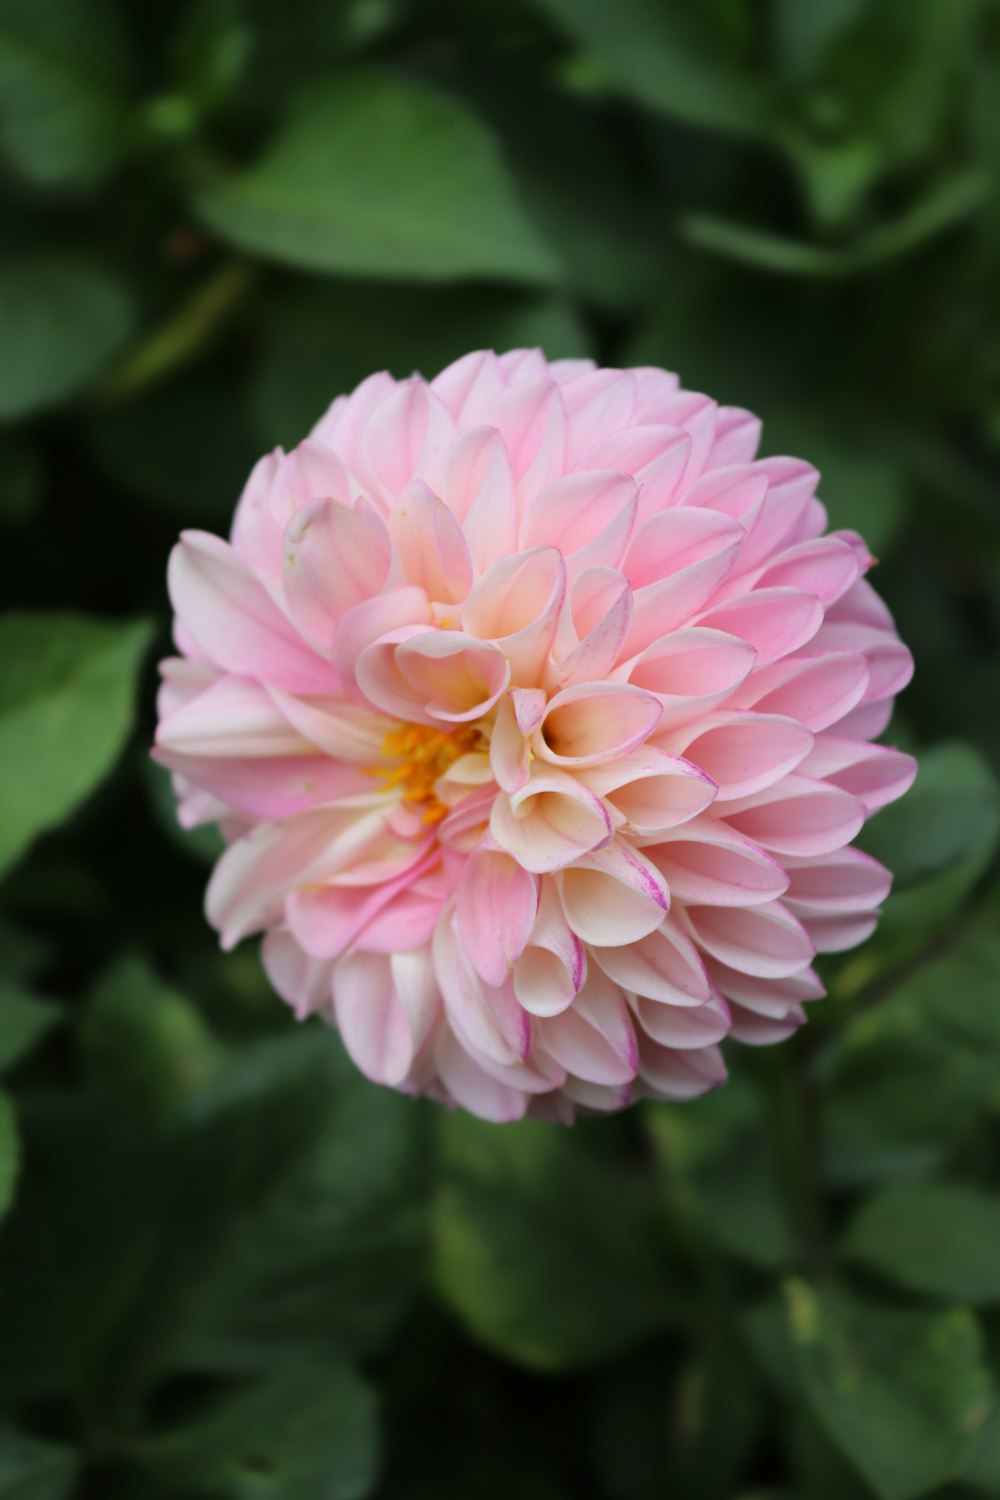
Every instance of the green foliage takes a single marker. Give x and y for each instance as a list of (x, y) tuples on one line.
[(375, 175), (66, 696), (229, 1266), (511, 1213)]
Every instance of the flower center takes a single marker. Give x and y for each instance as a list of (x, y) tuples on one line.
[(419, 756)]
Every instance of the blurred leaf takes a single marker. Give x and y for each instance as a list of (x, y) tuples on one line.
[(512, 1213), (953, 807), (61, 321), (307, 1433), (377, 175), (143, 1040), (209, 51), (904, 1394), (805, 32), (717, 1161), (21, 481), (63, 112), (31, 1469), (9, 1152), (321, 341), (673, 58), (186, 446), (936, 1237), (24, 1020), (66, 696), (944, 206), (329, 1258)]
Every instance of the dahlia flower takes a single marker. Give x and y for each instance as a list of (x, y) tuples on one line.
[(538, 715)]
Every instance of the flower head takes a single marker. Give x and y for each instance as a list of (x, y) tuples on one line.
[(538, 715)]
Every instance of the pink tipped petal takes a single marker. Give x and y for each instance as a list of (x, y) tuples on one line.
[(516, 604), (651, 790), (744, 752), (494, 913), (430, 545), (302, 981), (371, 1018), (456, 677), (684, 1027), (228, 612), (876, 774), (707, 863), (471, 1087), (550, 822), (614, 896), (595, 1040), (335, 558), (594, 723), (774, 621), (691, 671), (553, 966), (665, 966), (669, 1073), (815, 690), (798, 816), (509, 753), (763, 940), (589, 516)]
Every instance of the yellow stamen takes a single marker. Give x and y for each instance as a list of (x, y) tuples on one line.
[(417, 756)]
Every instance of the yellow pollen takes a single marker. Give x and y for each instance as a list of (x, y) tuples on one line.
[(417, 756)]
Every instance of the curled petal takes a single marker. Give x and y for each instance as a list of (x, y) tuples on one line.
[(495, 909), (743, 753), (550, 822), (594, 723), (613, 896)]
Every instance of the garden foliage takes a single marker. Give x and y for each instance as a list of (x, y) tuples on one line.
[(228, 1266)]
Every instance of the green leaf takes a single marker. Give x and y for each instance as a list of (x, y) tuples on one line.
[(9, 1152), (953, 808), (947, 204), (24, 1020), (379, 176), (308, 1433), (141, 1039), (935, 1237), (905, 1395), (32, 1469), (61, 321), (63, 114), (718, 1169), (542, 1249), (67, 683), (328, 1257), (672, 58), (385, 327)]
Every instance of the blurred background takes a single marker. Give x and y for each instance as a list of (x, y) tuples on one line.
[(229, 1266)]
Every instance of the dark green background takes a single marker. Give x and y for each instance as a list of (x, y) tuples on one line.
[(230, 1267)]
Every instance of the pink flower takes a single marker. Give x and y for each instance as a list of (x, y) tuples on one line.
[(538, 715)]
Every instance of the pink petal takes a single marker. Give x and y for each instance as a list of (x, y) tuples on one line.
[(456, 677), (815, 690), (371, 1018), (335, 558), (774, 621), (665, 966), (495, 909), (685, 1027), (594, 1039), (232, 717), (550, 822), (516, 604), (472, 1087), (742, 752), (596, 722), (304, 982), (613, 896), (692, 670), (876, 774), (233, 620), (798, 816), (552, 968), (706, 862), (589, 516), (763, 940), (670, 1074), (478, 487), (431, 545), (651, 790)]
